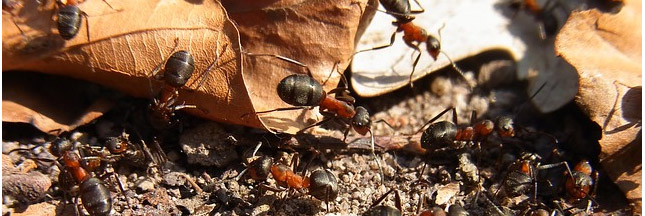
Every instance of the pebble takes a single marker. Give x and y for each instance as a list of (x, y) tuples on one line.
[(208, 145), (26, 187), (145, 186)]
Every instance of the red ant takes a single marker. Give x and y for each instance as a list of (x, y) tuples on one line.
[(581, 184), (304, 92), (178, 69), (414, 36), (77, 180), (448, 134), (121, 148), (322, 184)]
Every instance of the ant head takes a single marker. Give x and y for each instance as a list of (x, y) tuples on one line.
[(439, 135), (60, 146), (504, 126), (117, 145), (179, 68), (361, 121), (259, 169), (580, 185), (433, 45), (323, 185)]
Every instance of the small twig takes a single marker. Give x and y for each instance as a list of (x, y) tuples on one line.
[(192, 183)]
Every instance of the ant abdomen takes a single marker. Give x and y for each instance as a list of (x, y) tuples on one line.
[(179, 68), (401, 7), (96, 197), (69, 21), (439, 135), (301, 90), (323, 185)]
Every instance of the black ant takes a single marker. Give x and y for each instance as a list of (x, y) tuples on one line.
[(304, 92), (69, 18)]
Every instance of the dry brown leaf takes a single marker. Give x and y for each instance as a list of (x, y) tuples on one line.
[(131, 42), (606, 51), (50, 103), (317, 33), (125, 46)]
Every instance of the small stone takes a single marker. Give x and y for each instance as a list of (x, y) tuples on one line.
[(145, 186), (208, 145), (26, 187)]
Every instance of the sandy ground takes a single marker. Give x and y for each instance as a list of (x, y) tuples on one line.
[(205, 157)]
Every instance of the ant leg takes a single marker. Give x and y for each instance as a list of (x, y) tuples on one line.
[(325, 120), (384, 122), (332, 72), (380, 199), (184, 106), (377, 159), (210, 67), (414, 66), (292, 61), (392, 38), (431, 120), (109, 5), (278, 109)]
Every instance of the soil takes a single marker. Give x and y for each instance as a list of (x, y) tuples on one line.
[(204, 158)]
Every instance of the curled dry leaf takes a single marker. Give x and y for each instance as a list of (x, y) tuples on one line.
[(320, 34), (125, 44), (469, 28), (606, 51)]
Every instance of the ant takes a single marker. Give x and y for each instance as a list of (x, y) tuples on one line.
[(322, 184), (448, 134), (69, 18), (304, 92), (177, 70), (77, 180), (118, 148), (522, 175), (414, 36), (582, 181)]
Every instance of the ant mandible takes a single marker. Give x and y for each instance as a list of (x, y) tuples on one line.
[(304, 92)]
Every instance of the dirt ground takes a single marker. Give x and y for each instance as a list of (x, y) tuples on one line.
[(205, 157)]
